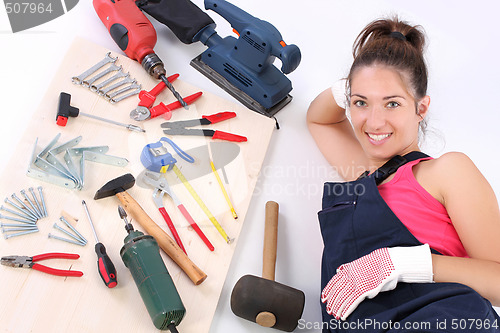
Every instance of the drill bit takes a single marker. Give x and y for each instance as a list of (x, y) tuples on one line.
[(154, 66), (123, 215), (174, 92)]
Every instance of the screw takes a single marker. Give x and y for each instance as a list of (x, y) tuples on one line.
[(32, 191), (22, 228), (14, 196), (24, 211), (66, 240), (43, 201), (74, 230), (18, 214), (17, 225), (69, 234), (23, 193), (15, 219), (20, 233)]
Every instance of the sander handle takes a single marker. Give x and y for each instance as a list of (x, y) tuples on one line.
[(165, 242), (262, 33), (270, 240)]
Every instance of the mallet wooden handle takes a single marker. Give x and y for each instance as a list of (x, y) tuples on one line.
[(270, 240), (165, 242)]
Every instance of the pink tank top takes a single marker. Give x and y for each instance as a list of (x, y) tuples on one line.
[(424, 216)]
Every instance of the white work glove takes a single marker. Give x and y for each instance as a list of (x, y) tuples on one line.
[(378, 271)]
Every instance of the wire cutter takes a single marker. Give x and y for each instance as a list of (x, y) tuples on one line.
[(30, 262), (179, 127), (145, 109), (161, 187)]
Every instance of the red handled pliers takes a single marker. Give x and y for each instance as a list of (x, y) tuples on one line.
[(145, 109), (179, 127), (30, 262)]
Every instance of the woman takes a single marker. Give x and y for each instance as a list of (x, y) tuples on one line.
[(409, 218)]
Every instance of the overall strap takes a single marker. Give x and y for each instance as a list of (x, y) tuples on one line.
[(393, 165)]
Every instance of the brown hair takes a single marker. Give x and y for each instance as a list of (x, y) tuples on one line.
[(396, 44)]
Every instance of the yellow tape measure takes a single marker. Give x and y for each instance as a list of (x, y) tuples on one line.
[(197, 198), (214, 171)]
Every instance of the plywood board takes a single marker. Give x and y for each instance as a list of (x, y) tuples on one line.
[(37, 302)]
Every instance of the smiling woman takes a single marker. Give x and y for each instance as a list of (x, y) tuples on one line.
[(384, 114), (418, 220)]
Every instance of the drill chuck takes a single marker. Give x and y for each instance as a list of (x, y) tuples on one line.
[(153, 65), (141, 254)]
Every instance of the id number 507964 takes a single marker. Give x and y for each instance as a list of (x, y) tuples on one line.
[(28, 8), (477, 324)]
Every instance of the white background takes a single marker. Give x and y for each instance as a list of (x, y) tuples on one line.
[(464, 81)]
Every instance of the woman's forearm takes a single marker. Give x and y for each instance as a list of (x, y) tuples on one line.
[(481, 275), (324, 110)]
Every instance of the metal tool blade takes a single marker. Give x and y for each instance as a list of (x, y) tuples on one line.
[(186, 123), (187, 131)]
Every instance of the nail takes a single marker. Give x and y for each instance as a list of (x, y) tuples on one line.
[(18, 214), (14, 196), (83, 239), (21, 209), (6, 236), (69, 234), (66, 240), (43, 200), (23, 193), (32, 191)]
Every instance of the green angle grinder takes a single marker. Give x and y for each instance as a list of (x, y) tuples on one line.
[(141, 254)]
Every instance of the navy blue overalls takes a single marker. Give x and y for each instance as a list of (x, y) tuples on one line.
[(355, 220)]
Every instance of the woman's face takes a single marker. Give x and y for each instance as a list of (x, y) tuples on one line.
[(384, 113)]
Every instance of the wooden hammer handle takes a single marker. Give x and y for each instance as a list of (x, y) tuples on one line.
[(165, 242), (270, 240)]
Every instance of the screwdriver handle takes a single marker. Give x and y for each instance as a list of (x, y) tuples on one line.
[(105, 266)]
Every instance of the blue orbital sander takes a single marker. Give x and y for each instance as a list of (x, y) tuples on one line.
[(241, 66)]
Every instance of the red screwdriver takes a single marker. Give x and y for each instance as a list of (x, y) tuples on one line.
[(135, 35), (104, 264)]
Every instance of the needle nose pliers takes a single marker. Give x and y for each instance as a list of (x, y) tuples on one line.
[(30, 262)]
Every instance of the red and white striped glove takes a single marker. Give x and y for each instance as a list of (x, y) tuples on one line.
[(378, 271)]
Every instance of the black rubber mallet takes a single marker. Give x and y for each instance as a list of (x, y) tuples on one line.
[(263, 300)]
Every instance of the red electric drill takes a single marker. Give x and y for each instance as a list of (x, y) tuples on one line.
[(135, 35)]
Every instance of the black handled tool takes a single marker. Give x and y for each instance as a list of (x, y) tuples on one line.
[(104, 264), (66, 110)]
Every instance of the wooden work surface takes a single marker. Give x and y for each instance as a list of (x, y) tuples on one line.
[(32, 301)]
